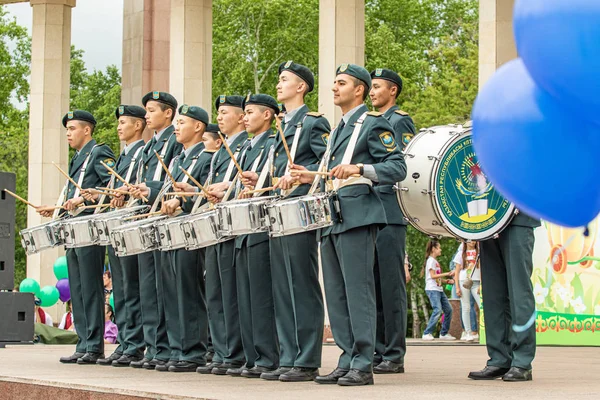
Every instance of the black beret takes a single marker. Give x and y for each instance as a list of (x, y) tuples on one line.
[(388, 75), (356, 71), (212, 128), (298, 69), (161, 97), (194, 112), (262, 100), (130, 111), (78, 115), (233, 101)]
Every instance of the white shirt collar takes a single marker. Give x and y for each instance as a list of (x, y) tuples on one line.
[(130, 145), (159, 135), (231, 138), (349, 114), (290, 114), (189, 149), (256, 138)]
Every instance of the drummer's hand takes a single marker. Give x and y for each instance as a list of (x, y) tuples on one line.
[(218, 187), (117, 202), (73, 203), (45, 211), (183, 187), (244, 194), (344, 171), (249, 178), (170, 206), (90, 194), (140, 190), (286, 182), (302, 178)]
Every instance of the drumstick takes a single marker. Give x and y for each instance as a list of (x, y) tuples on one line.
[(301, 171), (70, 179), (267, 189), (107, 189), (285, 145), (120, 178), (240, 170), (187, 194), (194, 180), (94, 206), (164, 167), (147, 215), (16, 196)]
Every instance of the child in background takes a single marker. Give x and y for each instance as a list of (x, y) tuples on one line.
[(435, 292), (469, 270), (110, 329)]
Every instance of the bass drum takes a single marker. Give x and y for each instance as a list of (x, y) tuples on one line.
[(445, 193)]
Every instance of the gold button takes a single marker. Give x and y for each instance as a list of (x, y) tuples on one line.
[(146, 167), (217, 174), (276, 154), (333, 157)]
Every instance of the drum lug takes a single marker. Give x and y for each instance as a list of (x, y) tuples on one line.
[(425, 191), (416, 220), (430, 158), (409, 155)]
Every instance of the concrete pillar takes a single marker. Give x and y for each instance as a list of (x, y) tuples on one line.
[(49, 101), (191, 52), (496, 40), (341, 40), (145, 49)]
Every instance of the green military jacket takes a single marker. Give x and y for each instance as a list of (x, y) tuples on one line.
[(312, 143), (522, 219), (95, 174), (124, 162), (404, 130), (260, 151), (360, 205), (150, 162), (221, 158)]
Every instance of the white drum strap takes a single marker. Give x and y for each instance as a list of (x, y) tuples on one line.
[(191, 168), (61, 200), (347, 159), (230, 167), (293, 151), (103, 196), (167, 185), (159, 168), (77, 211), (252, 169), (132, 164), (265, 171)]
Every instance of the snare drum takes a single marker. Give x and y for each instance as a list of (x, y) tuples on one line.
[(77, 232), (243, 216), (136, 237), (104, 223), (299, 214), (445, 192), (170, 233), (202, 230), (42, 237)]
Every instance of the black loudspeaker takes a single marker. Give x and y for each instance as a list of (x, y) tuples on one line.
[(7, 231), (16, 317)]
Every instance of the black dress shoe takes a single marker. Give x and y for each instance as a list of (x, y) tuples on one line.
[(222, 368), (89, 358), (108, 360), (274, 375), (237, 371), (139, 363), (256, 371), (488, 373), (165, 367), (72, 359), (125, 360), (389, 367), (356, 378), (184, 366), (516, 374), (333, 377), (299, 374), (207, 369)]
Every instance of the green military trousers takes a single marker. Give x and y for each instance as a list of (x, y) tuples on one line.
[(506, 268), (126, 294), (298, 299), (167, 284), (348, 260), (86, 267), (390, 289), (255, 304)]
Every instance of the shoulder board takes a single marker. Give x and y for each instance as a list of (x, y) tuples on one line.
[(273, 135), (400, 112), (314, 114), (374, 113), (101, 144)]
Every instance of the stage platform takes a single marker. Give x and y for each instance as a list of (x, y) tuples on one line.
[(432, 372)]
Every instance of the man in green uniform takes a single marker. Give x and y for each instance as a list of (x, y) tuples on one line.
[(160, 112), (184, 291), (507, 265), (252, 264), (390, 247), (297, 295), (85, 264), (131, 123), (362, 151), (221, 291)]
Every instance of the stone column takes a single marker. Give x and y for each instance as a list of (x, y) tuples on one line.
[(145, 49), (191, 52), (341, 40), (49, 101), (496, 39)]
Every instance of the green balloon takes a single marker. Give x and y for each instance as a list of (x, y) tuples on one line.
[(30, 285), (111, 301), (60, 268), (48, 296)]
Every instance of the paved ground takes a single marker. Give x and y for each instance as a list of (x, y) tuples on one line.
[(433, 372)]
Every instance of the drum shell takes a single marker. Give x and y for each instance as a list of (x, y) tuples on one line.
[(42, 237), (202, 230), (244, 216), (105, 223), (78, 232), (299, 214), (170, 233), (136, 237)]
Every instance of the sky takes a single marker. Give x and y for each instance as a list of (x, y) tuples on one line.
[(96, 27)]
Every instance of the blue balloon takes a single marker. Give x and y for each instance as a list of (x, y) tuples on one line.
[(526, 144), (559, 42)]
